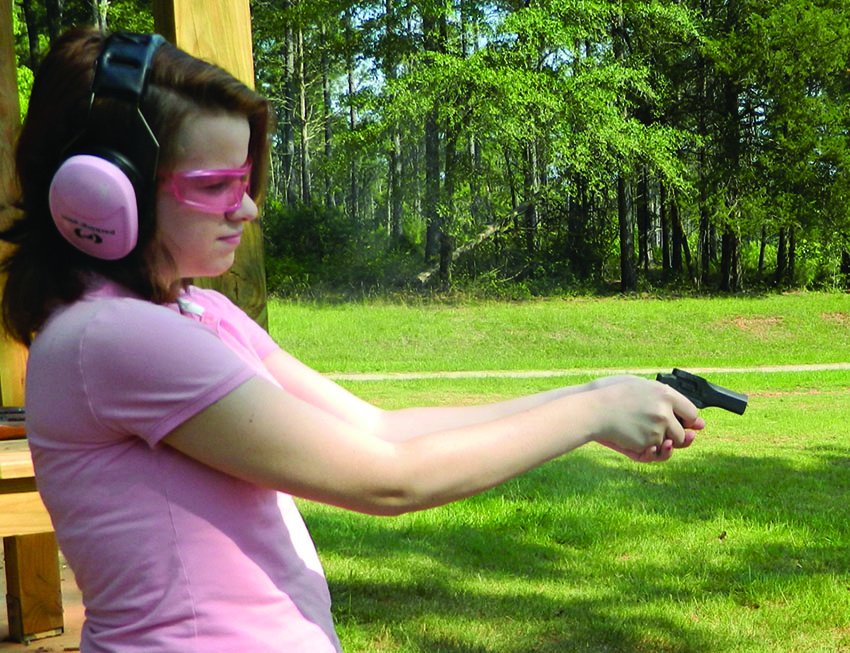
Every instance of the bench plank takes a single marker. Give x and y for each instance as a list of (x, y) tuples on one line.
[(15, 459), (22, 513)]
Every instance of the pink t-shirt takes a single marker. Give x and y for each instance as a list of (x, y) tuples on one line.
[(170, 555)]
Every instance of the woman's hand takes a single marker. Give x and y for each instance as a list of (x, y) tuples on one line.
[(656, 454), (643, 419)]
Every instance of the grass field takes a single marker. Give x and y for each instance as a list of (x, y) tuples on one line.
[(739, 544), (567, 334)]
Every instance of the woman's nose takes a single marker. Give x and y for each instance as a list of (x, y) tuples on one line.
[(246, 212)]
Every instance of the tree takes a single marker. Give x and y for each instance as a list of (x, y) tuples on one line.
[(673, 131)]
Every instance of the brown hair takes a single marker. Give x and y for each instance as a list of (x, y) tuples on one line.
[(43, 270)]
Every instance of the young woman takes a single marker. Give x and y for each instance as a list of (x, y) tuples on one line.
[(168, 430)]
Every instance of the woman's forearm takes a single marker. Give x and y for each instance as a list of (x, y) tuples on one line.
[(445, 465), (406, 423)]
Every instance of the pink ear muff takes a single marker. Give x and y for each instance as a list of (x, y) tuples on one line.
[(94, 207)]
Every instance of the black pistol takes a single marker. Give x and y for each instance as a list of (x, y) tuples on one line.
[(702, 393)]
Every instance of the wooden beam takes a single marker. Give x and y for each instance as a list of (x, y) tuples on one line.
[(10, 109), (219, 31), (33, 587), (12, 356), (22, 512), (13, 366)]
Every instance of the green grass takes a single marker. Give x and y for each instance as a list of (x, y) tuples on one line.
[(566, 334), (740, 544)]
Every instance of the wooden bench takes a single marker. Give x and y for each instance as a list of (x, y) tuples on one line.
[(33, 584)]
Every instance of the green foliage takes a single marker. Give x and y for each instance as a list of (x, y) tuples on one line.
[(132, 15), (23, 74), (312, 247), (311, 239), (25, 79), (732, 115)]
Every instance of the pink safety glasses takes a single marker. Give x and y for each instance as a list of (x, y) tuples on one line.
[(212, 191)]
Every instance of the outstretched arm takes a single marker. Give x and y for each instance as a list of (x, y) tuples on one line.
[(272, 437), (395, 425)]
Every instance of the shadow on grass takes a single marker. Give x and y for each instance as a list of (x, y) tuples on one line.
[(480, 574), (487, 622)]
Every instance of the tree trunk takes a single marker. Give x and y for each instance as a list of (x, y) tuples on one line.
[(304, 135), (432, 187), (703, 108), (781, 258), (327, 112), (100, 8), (396, 173), (792, 256), (287, 122), (628, 270), (469, 44), (643, 220), (54, 10), (664, 222), (680, 242), (353, 190), (446, 215), (394, 168), (530, 217), (431, 38), (730, 268), (625, 219), (32, 33), (676, 237), (509, 170), (704, 250)]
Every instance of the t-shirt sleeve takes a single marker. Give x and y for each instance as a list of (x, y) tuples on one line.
[(148, 369), (248, 330)]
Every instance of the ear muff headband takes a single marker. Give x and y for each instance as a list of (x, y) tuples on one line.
[(95, 194)]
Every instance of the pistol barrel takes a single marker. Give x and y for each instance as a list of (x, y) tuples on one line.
[(704, 394)]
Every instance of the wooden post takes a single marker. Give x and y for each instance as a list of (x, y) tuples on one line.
[(33, 587), (33, 591), (12, 355), (219, 31)]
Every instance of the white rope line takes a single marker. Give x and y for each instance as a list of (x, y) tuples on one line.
[(543, 374)]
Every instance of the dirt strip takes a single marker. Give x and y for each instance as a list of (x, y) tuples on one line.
[(532, 374)]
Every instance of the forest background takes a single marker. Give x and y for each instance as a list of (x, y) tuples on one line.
[(523, 147)]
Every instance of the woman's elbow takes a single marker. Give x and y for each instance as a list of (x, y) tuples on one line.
[(394, 496), (391, 502)]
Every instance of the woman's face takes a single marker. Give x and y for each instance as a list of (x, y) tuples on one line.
[(202, 242)]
